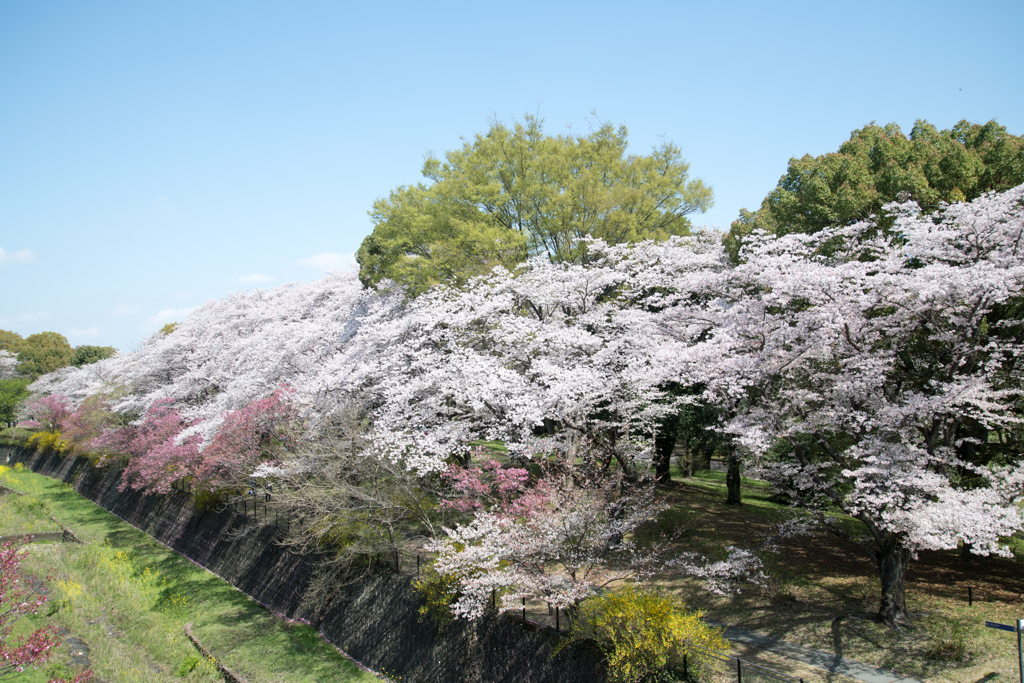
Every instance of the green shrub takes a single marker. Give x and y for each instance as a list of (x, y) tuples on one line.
[(206, 501), (187, 665), (439, 592), (645, 635), (15, 436)]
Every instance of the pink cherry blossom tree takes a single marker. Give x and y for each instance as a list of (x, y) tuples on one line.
[(49, 411), (246, 439), (158, 454)]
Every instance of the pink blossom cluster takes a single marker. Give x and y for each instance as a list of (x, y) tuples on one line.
[(160, 450), (17, 600), (49, 412), (157, 456), (492, 487)]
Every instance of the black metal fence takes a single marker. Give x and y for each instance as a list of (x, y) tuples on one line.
[(256, 505), (734, 669)]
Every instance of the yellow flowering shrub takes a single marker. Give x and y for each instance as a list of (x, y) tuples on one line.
[(645, 634), (49, 441), (439, 592)]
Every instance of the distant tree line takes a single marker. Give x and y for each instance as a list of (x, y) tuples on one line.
[(22, 360)]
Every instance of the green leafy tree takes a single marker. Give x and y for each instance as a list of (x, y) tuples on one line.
[(515, 192), (10, 341), (12, 392), (879, 164), (44, 352), (84, 355)]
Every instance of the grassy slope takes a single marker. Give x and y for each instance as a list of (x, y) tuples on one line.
[(128, 597)]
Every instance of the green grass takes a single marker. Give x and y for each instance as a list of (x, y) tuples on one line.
[(128, 598), (492, 448), (823, 592), (24, 514)]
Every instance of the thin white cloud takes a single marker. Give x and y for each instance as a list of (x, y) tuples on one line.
[(163, 204), (329, 260), (87, 332), (22, 256), (24, 318), (124, 310), (255, 279), (170, 315)]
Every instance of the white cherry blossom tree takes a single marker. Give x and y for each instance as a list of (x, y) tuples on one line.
[(856, 359), (541, 359)]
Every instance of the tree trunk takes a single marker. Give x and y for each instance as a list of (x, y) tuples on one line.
[(700, 459), (628, 471), (663, 447), (892, 569), (685, 462), (732, 481)]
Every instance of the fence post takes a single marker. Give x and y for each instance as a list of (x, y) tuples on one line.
[(686, 671), (739, 671), (970, 596), (559, 628), (524, 608)]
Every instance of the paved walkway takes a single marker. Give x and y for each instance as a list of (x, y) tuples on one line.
[(824, 660)]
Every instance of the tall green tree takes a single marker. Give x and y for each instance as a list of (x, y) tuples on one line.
[(85, 354), (879, 164), (12, 392), (44, 352), (514, 192), (10, 341)]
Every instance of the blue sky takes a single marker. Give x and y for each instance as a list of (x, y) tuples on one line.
[(154, 155)]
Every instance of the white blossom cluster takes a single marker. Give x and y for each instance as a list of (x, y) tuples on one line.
[(8, 364)]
